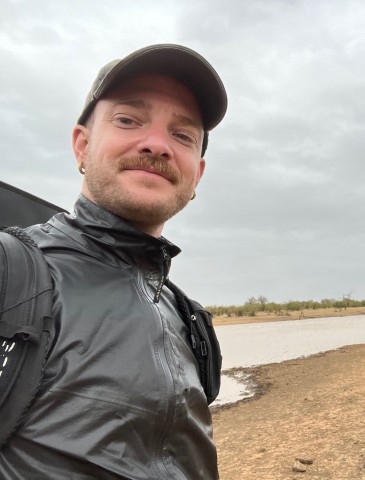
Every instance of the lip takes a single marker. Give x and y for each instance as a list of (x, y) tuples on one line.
[(151, 170)]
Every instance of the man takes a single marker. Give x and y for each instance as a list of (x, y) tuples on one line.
[(122, 394)]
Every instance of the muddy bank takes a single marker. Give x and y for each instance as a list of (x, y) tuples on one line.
[(312, 408)]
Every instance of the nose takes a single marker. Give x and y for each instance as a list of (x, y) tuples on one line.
[(155, 143)]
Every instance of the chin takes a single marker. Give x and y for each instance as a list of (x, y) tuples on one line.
[(150, 210)]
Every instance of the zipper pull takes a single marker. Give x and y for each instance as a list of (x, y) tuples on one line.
[(203, 349), (157, 296), (165, 267)]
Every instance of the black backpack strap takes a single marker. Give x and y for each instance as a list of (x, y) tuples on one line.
[(25, 324), (204, 342)]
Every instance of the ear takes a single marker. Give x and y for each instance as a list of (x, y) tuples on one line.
[(201, 170), (80, 143)]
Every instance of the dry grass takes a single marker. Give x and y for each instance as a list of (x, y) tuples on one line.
[(295, 315)]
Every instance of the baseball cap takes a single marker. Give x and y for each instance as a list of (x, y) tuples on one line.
[(182, 63)]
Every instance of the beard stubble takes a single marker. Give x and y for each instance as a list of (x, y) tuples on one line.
[(121, 201)]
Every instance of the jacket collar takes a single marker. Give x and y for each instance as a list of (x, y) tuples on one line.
[(103, 233)]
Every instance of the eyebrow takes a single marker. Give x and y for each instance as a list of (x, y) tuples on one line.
[(187, 121), (140, 104)]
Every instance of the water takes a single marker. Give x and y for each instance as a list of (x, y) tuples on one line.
[(263, 343)]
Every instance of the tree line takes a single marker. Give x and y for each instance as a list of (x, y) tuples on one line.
[(255, 305)]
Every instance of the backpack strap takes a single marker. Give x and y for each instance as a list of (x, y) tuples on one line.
[(25, 325), (204, 342)]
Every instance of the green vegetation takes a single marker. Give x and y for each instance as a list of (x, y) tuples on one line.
[(261, 304)]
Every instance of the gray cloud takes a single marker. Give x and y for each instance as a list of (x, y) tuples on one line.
[(279, 210)]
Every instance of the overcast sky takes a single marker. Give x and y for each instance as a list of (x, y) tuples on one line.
[(281, 209)]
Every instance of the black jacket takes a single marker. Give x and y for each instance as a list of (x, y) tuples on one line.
[(121, 396)]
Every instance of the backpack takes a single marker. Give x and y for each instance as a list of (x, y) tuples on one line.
[(26, 324), (25, 305), (204, 342)]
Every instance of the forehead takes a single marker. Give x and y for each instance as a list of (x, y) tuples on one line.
[(156, 86)]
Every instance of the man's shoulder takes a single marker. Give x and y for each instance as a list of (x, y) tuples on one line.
[(51, 234)]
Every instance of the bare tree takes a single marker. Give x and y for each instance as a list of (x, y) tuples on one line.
[(263, 301), (346, 298)]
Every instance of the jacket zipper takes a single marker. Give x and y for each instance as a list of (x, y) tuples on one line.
[(168, 405)]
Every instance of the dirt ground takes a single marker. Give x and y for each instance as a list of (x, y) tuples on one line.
[(312, 409)]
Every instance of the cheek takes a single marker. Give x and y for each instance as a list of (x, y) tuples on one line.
[(101, 151), (190, 166), (192, 176), (198, 170), (113, 147)]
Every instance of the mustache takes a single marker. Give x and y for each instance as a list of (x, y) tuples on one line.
[(150, 162)]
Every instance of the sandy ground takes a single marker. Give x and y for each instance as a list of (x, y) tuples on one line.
[(312, 409)]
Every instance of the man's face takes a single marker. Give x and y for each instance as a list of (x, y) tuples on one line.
[(141, 151)]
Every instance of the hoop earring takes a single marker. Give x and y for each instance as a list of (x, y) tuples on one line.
[(81, 168), (193, 196)]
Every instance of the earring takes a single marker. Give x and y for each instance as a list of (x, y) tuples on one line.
[(193, 196), (81, 168)]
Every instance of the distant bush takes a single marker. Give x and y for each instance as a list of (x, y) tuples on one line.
[(261, 304)]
